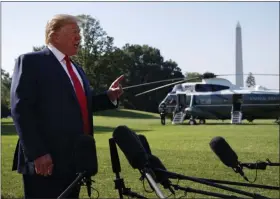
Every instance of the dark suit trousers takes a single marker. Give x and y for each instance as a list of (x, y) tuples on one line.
[(36, 186)]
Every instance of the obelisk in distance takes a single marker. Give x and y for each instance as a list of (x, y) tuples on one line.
[(238, 58)]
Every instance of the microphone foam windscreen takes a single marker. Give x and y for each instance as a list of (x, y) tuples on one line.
[(145, 143), (115, 161), (155, 163), (85, 155), (129, 143), (222, 149)]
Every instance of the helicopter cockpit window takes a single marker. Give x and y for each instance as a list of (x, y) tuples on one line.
[(209, 87), (171, 100), (189, 88)]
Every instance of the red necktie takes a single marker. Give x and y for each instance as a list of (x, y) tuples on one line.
[(80, 94)]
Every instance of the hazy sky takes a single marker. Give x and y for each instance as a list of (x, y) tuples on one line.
[(199, 36)]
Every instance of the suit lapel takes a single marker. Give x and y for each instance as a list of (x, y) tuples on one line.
[(58, 69)]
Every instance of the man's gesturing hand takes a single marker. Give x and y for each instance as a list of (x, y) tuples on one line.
[(115, 90), (44, 165)]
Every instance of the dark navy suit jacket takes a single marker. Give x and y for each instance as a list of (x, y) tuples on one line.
[(46, 112)]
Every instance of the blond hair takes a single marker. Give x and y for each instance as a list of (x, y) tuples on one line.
[(56, 23)]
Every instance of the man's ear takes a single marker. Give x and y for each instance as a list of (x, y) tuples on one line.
[(55, 37)]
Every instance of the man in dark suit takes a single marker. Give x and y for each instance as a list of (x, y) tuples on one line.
[(51, 104)]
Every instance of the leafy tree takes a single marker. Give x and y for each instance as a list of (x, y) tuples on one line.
[(145, 64), (208, 75), (193, 76), (38, 48), (196, 77), (94, 48), (251, 82), (5, 93)]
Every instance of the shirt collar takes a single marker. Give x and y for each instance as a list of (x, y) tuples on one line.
[(59, 55)]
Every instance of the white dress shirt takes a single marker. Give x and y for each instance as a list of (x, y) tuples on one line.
[(60, 57)]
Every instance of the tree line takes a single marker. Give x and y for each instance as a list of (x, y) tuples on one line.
[(103, 62)]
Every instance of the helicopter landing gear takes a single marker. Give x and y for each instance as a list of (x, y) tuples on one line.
[(202, 121), (277, 121), (250, 119), (192, 121), (162, 118)]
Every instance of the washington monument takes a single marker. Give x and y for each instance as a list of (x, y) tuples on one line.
[(238, 58)]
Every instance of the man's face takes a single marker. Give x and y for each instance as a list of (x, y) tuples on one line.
[(67, 39)]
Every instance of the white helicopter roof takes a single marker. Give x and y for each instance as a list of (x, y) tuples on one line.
[(231, 91), (190, 87), (218, 81)]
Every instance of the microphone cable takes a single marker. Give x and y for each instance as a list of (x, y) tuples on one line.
[(94, 190), (147, 191), (144, 187), (256, 175), (240, 167), (185, 195)]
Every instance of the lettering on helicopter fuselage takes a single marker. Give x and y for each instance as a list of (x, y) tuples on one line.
[(264, 98)]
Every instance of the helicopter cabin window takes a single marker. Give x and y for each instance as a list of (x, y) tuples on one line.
[(202, 99), (190, 88), (171, 100), (209, 87), (220, 99)]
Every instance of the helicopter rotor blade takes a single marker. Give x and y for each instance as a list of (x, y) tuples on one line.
[(185, 80), (160, 87), (260, 74), (149, 83), (165, 86), (167, 80)]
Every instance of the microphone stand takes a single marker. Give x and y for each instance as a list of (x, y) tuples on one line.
[(79, 178), (179, 176), (147, 173), (259, 165), (188, 189), (119, 182), (128, 192), (242, 184)]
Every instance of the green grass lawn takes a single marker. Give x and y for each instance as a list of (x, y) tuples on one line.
[(182, 148)]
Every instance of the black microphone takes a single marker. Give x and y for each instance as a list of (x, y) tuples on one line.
[(85, 159), (161, 177), (145, 143), (222, 149), (116, 167), (131, 146), (155, 163), (225, 153), (129, 143), (115, 161)]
